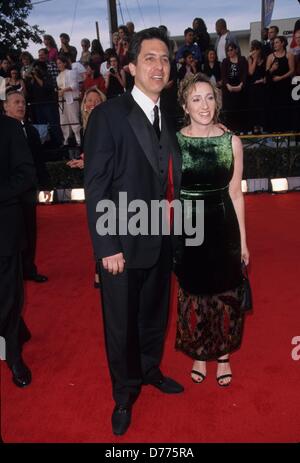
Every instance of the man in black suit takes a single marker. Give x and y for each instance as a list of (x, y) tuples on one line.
[(15, 106), (131, 148), (17, 175)]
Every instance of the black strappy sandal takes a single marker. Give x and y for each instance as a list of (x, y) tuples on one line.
[(228, 375), (198, 373)]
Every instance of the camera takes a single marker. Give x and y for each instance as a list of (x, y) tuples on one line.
[(112, 70)]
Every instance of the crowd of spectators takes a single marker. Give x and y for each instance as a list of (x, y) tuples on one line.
[(256, 91)]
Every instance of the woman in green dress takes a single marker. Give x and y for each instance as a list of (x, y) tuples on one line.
[(210, 320)]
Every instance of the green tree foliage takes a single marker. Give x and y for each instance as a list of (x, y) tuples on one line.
[(15, 32)]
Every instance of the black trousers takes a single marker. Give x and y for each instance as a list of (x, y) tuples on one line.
[(135, 307), (11, 303), (28, 255)]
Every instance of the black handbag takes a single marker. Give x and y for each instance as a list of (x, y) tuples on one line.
[(246, 303)]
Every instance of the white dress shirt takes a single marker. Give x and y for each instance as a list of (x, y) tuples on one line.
[(146, 104)]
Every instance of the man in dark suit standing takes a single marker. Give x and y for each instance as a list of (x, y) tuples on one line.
[(130, 148), (17, 175), (15, 106)]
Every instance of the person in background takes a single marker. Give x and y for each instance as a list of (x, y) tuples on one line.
[(97, 53), (279, 71), (93, 78), (68, 94), (4, 68), (115, 41), (14, 82), (224, 38), (189, 65), (211, 67), (190, 46), (115, 81), (17, 176), (272, 34), (234, 72), (210, 316), (27, 65), (85, 54), (51, 46), (130, 30), (256, 87), (15, 107), (202, 37), (66, 48)]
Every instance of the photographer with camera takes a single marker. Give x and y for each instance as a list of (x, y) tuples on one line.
[(115, 81)]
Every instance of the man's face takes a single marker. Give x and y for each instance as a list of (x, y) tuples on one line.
[(42, 56), (272, 33), (15, 106), (189, 38), (152, 68), (64, 40)]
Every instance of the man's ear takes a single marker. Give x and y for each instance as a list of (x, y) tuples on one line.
[(132, 69)]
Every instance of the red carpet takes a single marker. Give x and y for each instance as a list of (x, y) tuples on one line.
[(70, 396)]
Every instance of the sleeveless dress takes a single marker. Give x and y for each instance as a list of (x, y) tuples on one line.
[(210, 322)]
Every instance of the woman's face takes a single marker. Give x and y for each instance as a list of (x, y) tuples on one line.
[(231, 52), (211, 56), (297, 38), (89, 71), (201, 104), (113, 62), (189, 60), (278, 45), (60, 65), (46, 42), (92, 100), (115, 38), (5, 64), (14, 74)]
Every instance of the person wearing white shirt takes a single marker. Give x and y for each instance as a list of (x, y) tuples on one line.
[(68, 93)]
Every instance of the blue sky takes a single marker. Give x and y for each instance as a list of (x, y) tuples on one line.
[(77, 17)]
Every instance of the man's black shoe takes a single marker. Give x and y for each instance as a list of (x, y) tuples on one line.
[(121, 419), (37, 278), (21, 374), (168, 385)]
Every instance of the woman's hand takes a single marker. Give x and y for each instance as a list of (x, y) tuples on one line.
[(245, 256)]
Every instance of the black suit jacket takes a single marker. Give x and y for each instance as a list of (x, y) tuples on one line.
[(17, 175), (120, 157)]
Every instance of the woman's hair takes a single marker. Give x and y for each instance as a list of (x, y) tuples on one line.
[(97, 47), (85, 114), (15, 69), (187, 85), (201, 25), (283, 40), (95, 68), (231, 45), (51, 41)]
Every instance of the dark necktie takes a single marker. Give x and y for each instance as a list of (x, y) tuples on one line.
[(156, 121)]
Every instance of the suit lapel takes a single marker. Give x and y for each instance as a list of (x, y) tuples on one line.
[(141, 127)]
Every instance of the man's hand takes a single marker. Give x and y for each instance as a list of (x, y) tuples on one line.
[(114, 264)]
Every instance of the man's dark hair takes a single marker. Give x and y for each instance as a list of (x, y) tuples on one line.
[(188, 30), (221, 22), (276, 28), (146, 34), (63, 35), (45, 50)]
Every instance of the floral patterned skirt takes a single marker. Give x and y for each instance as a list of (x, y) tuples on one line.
[(209, 326)]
